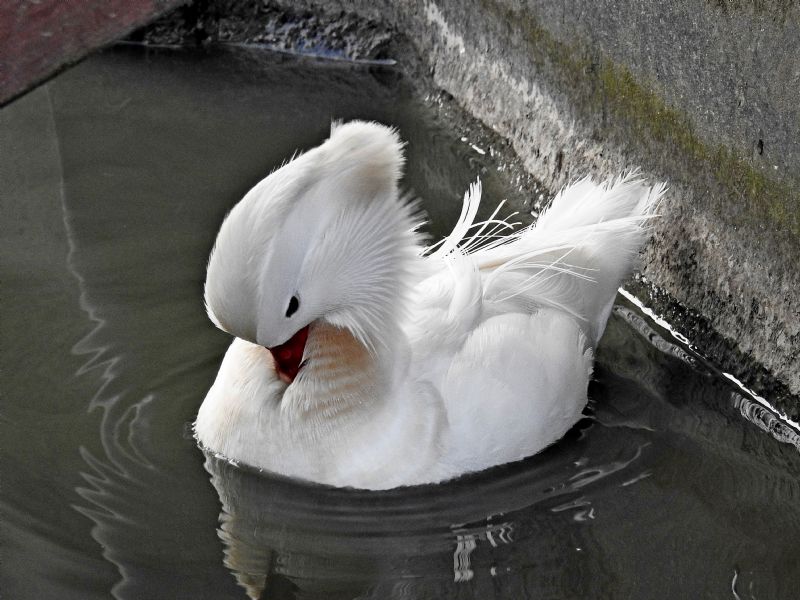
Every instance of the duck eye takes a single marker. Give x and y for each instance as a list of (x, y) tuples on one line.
[(294, 304)]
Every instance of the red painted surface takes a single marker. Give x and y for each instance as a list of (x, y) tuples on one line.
[(37, 37)]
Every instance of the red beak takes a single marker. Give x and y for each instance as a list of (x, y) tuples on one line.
[(289, 355)]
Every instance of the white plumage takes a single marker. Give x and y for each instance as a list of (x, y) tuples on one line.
[(364, 359)]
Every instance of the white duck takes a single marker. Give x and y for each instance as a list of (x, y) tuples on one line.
[(364, 359)]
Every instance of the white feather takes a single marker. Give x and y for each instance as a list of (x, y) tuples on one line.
[(421, 363)]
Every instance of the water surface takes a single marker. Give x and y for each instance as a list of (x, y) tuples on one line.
[(116, 176)]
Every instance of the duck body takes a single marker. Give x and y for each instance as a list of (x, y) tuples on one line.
[(363, 358)]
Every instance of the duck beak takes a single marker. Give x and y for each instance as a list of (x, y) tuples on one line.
[(288, 356)]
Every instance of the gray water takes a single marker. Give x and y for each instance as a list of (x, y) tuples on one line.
[(115, 177)]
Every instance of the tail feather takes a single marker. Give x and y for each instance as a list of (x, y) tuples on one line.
[(574, 258)]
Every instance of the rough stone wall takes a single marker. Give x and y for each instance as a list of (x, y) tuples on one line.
[(702, 94)]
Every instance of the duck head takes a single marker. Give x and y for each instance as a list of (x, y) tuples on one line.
[(326, 238)]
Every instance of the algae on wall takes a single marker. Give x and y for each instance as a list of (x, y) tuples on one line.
[(599, 86)]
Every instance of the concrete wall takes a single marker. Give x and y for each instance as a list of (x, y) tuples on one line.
[(703, 94)]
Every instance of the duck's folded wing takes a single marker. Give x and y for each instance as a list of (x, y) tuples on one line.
[(446, 306), (516, 386)]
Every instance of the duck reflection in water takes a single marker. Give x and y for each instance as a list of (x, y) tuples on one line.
[(285, 538)]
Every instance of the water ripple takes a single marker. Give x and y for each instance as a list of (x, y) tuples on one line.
[(766, 420)]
